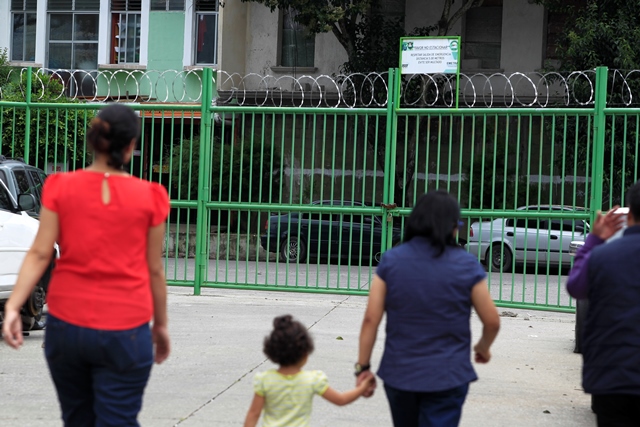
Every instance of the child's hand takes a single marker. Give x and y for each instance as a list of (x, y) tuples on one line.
[(367, 382)]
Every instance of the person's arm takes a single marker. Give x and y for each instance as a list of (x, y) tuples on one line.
[(255, 410), (369, 330), (486, 309), (578, 281), (345, 397), (160, 332), (35, 263), (372, 318), (603, 228)]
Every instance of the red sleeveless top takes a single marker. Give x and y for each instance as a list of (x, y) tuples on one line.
[(101, 280)]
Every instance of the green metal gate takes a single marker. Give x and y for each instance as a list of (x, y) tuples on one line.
[(307, 199)]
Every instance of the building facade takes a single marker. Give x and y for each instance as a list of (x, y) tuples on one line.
[(240, 37), (500, 36), (94, 34)]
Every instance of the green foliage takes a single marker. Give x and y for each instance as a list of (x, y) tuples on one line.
[(363, 28), (55, 134), (491, 177), (238, 171), (377, 43), (603, 33), (5, 68), (321, 16)]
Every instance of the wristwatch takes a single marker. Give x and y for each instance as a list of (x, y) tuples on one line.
[(361, 368)]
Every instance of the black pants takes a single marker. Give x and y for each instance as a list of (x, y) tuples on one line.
[(100, 376), (617, 410), (427, 409)]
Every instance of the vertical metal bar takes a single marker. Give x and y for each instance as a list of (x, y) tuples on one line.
[(405, 160), (450, 154), (624, 160), (597, 167), (204, 192), (27, 127), (390, 154), (439, 149), (460, 153), (635, 156), (472, 163), (416, 160), (611, 163)]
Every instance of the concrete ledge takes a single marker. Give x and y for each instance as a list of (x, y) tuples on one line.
[(232, 246)]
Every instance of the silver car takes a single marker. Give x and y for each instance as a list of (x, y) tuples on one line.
[(504, 242)]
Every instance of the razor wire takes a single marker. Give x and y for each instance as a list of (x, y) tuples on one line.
[(359, 90)]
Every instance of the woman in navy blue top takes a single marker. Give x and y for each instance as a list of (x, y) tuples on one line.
[(427, 287)]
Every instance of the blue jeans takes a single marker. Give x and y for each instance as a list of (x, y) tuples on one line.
[(426, 409), (99, 375)]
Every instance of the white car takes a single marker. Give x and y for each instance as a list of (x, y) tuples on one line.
[(17, 232), (504, 242)]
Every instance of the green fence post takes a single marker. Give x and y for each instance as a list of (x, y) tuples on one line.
[(27, 124), (389, 154), (600, 103), (204, 175)]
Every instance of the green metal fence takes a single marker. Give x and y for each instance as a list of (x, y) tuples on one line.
[(307, 199)]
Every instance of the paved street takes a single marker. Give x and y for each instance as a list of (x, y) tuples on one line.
[(523, 285), (533, 379)]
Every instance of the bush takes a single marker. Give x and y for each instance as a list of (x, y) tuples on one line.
[(55, 135), (495, 184), (237, 171), (5, 69)]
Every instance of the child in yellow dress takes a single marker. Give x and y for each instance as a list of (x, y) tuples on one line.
[(285, 394)]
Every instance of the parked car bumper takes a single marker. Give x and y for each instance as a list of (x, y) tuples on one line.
[(574, 246), (269, 243), (477, 249)]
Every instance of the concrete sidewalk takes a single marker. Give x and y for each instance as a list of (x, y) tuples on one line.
[(532, 380)]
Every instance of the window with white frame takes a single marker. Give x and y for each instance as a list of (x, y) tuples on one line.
[(73, 34), (23, 30), (167, 5), (482, 40), (297, 44), (125, 30), (206, 46)]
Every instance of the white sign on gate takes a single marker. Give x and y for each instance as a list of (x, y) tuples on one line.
[(429, 55)]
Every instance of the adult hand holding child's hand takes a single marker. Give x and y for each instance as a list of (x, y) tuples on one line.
[(370, 379)]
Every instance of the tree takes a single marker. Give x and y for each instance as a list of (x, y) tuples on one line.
[(604, 33), (369, 31), (55, 135), (239, 171), (5, 69), (351, 20)]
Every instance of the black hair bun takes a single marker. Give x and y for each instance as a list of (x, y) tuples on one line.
[(282, 322), (99, 134)]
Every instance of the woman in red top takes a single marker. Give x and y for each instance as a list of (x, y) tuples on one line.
[(108, 283)]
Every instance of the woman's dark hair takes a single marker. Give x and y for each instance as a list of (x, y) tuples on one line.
[(434, 217), (112, 131), (288, 343)]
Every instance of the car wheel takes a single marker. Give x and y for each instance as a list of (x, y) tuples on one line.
[(293, 250), (32, 310), (378, 255), (499, 257)]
